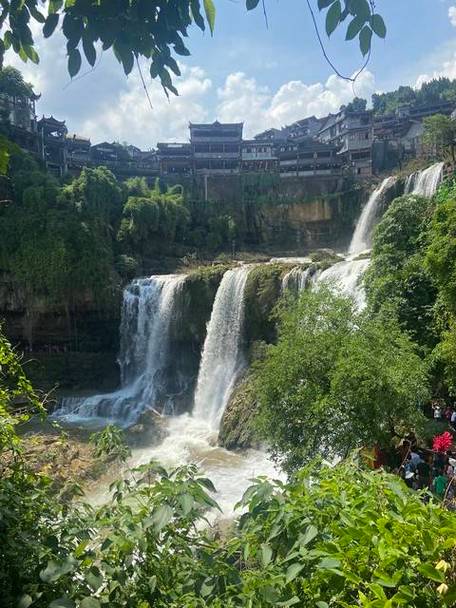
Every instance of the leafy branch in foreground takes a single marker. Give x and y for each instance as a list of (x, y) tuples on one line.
[(151, 29)]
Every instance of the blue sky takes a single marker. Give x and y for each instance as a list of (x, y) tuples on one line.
[(247, 72)]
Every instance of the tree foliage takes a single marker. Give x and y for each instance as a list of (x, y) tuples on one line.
[(440, 135), (397, 274), (336, 380), (153, 30), (433, 92)]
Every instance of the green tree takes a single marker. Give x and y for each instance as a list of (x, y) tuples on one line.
[(397, 274), (440, 135), (357, 105), (441, 253), (336, 380)]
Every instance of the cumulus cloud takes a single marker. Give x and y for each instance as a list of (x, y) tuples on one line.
[(129, 117), (447, 70), (103, 104), (243, 99), (452, 15)]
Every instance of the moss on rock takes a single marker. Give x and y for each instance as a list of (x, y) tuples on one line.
[(262, 292), (237, 429)]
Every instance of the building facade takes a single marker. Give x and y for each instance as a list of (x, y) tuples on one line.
[(308, 157), (216, 148), (353, 134)]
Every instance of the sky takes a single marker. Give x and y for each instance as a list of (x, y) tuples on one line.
[(263, 76)]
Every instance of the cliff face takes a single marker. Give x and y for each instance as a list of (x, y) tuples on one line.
[(283, 213)]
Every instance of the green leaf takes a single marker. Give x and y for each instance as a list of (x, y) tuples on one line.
[(62, 602), (333, 17), (74, 62), (361, 9), (293, 571), (186, 501), (291, 602), (196, 14), (162, 516), (429, 571), (321, 604), (308, 536), (251, 4), (324, 3), (378, 25), (328, 563), (54, 570), (365, 38), (31, 53), (89, 50), (354, 28), (266, 554), (209, 8), (89, 602), (50, 25)]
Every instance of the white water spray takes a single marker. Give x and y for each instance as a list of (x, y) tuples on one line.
[(425, 183), (361, 240), (149, 306), (222, 358)]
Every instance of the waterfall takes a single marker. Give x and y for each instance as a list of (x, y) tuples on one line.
[(222, 359), (149, 305), (361, 239), (297, 279), (346, 277), (425, 183)]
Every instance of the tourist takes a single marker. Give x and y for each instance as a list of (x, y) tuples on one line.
[(439, 485), (423, 473), (437, 410)]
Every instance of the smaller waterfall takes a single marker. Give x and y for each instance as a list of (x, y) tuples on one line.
[(346, 277), (297, 279), (149, 305), (425, 183), (361, 239), (222, 358)]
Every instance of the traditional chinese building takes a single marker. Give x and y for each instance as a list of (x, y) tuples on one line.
[(259, 156), (52, 134), (175, 158), (216, 147), (308, 157), (352, 133)]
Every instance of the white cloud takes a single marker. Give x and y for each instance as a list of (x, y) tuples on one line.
[(243, 99), (452, 15), (129, 117), (447, 70)]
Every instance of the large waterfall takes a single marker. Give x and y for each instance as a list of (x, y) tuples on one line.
[(425, 183), (222, 359), (149, 305), (361, 239)]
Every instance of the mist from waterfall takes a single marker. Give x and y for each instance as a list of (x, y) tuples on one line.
[(426, 182), (222, 358), (149, 305), (361, 240)]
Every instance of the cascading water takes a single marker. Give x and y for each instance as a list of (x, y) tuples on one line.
[(425, 183), (297, 279), (346, 277), (193, 437), (361, 240), (149, 305), (222, 358)]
